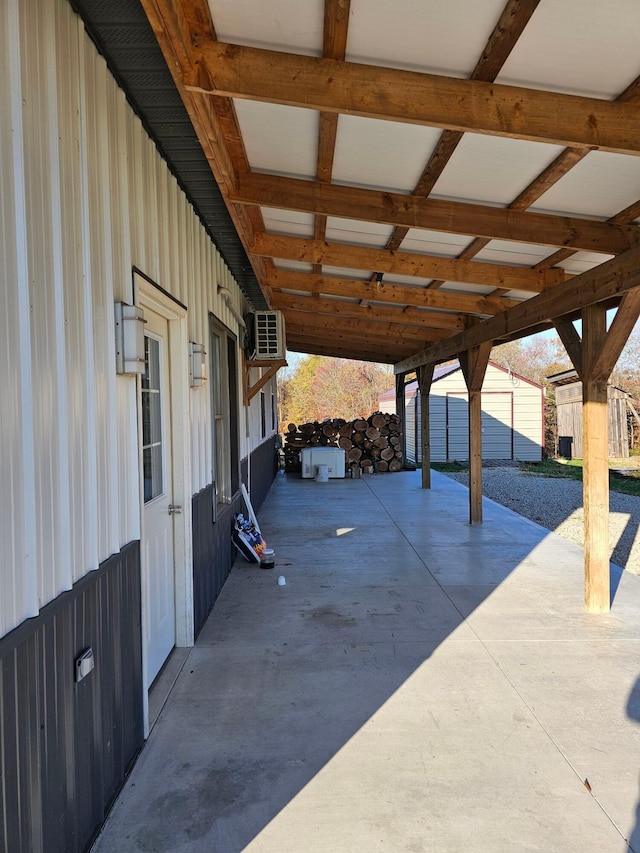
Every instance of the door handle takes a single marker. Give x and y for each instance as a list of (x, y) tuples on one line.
[(175, 509)]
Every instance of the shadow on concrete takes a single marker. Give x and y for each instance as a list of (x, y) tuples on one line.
[(633, 713), (368, 686)]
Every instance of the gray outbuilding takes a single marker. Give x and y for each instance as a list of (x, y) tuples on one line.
[(512, 416)]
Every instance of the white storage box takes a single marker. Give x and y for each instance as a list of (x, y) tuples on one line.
[(311, 457)]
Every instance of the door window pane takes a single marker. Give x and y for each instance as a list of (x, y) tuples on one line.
[(152, 452)]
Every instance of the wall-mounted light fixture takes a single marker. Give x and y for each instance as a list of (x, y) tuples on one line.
[(197, 365), (129, 338)]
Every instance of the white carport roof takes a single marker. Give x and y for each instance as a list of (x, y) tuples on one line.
[(399, 171)]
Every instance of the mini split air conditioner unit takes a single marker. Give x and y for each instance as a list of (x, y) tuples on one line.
[(269, 335)]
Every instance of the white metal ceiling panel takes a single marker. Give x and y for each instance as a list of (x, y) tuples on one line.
[(514, 254), (292, 222), (286, 25), (355, 231), (381, 154), (583, 261), (601, 185), (345, 272), (422, 35), (435, 243), (463, 287), (521, 295), (493, 170), (279, 139), (296, 266), (583, 47), (393, 278), (330, 297)]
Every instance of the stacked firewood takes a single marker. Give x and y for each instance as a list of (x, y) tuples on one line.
[(371, 444)]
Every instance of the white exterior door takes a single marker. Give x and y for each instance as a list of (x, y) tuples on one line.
[(157, 477)]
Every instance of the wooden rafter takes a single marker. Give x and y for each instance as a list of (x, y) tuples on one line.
[(435, 214), (404, 263), (327, 85), (178, 26), (336, 24), (562, 165), (514, 18)]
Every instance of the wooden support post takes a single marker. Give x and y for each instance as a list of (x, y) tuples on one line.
[(594, 357), (400, 406), (474, 366), (595, 467), (425, 377)]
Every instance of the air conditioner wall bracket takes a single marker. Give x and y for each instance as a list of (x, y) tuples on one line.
[(272, 366)]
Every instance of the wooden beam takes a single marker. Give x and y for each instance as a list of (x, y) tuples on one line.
[(356, 338), (572, 343), (604, 282), (425, 378), (341, 308), (595, 467), (338, 350), (438, 215), (395, 294), (330, 326), (404, 263), (327, 85), (621, 327)]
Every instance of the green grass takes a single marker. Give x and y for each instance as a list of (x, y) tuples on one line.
[(448, 467), (572, 469), (568, 469)]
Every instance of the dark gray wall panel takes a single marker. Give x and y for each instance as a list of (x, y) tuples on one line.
[(64, 747), (264, 467), (213, 553)]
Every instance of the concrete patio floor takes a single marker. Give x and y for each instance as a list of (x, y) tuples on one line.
[(418, 685)]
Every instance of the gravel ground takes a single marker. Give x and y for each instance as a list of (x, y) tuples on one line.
[(557, 505)]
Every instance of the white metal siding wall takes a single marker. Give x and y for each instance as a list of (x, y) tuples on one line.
[(84, 197), (412, 446), (255, 438), (19, 598)]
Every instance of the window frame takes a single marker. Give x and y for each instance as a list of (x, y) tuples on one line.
[(225, 445)]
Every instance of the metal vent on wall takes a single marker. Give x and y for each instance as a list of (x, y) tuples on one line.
[(269, 335)]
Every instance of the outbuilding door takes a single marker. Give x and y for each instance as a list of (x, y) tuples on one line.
[(497, 425)]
